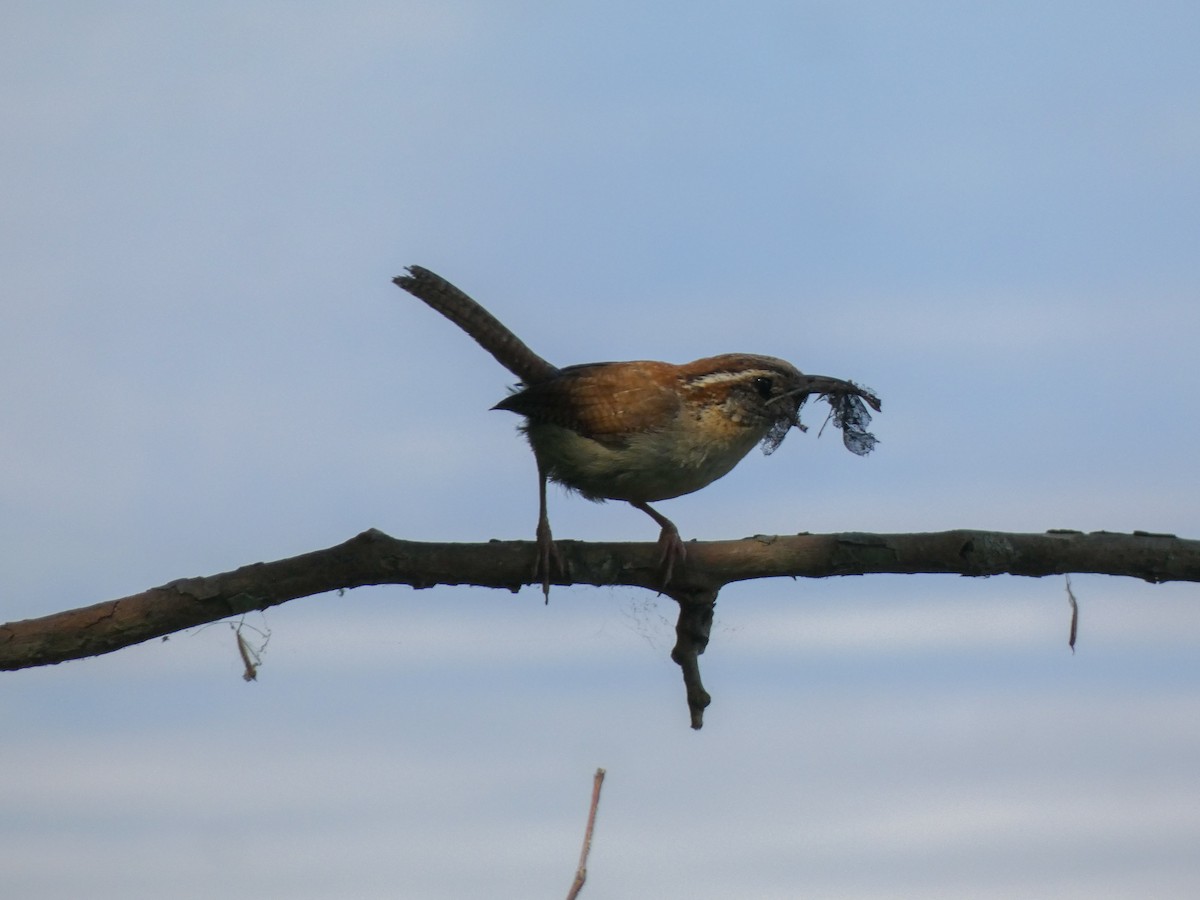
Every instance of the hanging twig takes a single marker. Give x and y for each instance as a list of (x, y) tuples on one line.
[(1074, 615), (692, 632)]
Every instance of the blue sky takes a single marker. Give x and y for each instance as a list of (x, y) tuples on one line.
[(987, 214)]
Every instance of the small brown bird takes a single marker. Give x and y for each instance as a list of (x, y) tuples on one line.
[(644, 431)]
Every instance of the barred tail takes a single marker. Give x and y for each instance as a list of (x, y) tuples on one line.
[(508, 349)]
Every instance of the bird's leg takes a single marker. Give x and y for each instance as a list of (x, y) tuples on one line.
[(546, 548), (670, 544)]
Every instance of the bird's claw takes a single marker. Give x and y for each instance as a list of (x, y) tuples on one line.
[(671, 550), (547, 556)]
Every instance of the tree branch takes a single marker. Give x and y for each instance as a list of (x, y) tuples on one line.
[(375, 558)]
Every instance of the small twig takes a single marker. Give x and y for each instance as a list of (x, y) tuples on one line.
[(251, 664), (251, 658), (581, 872), (1074, 615)]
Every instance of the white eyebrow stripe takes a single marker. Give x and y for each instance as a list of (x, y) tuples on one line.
[(731, 375)]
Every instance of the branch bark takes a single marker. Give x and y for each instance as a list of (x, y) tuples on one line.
[(375, 558)]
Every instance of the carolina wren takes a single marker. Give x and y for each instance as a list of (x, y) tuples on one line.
[(642, 431)]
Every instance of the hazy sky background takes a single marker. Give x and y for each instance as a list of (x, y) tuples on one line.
[(990, 214)]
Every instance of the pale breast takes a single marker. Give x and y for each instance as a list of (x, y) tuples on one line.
[(647, 466)]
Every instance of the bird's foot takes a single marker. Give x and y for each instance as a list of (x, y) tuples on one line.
[(547, 556), (671, 551)]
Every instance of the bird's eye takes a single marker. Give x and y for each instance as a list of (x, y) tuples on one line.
[(763, 385)]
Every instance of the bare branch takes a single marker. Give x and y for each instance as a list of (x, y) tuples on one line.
[(375, 558)]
